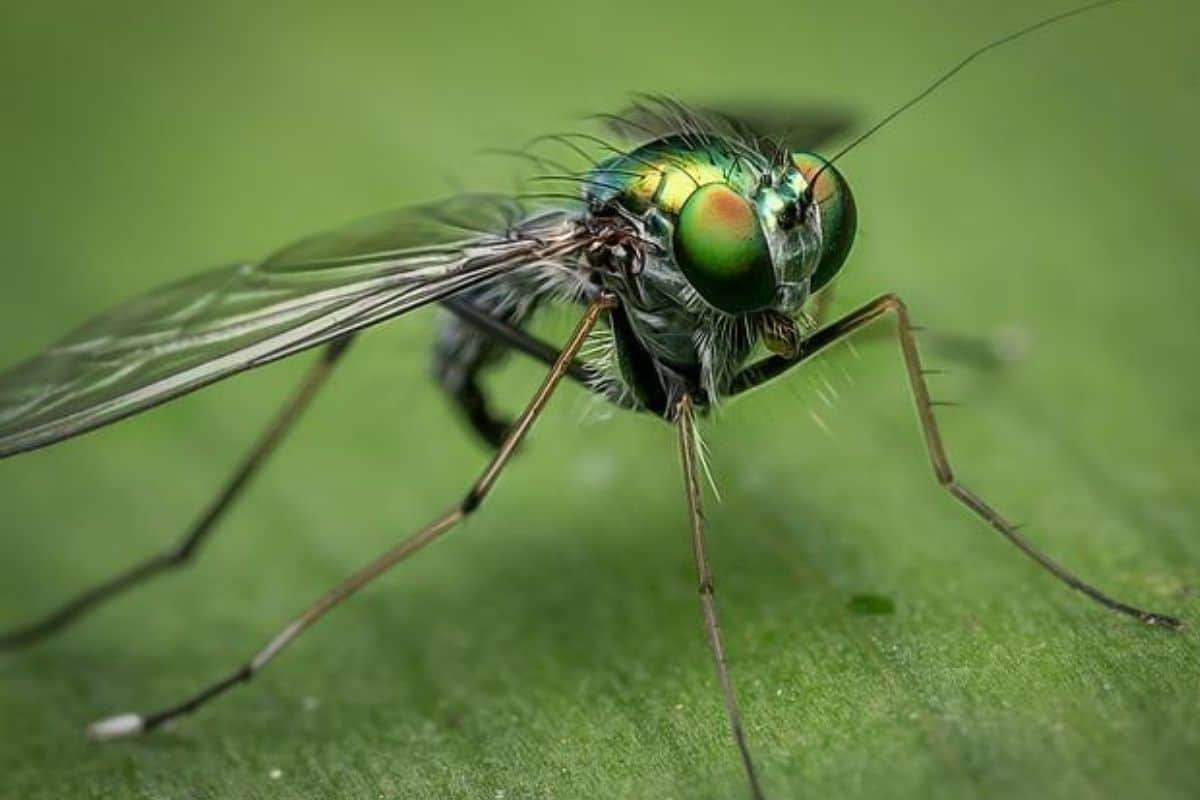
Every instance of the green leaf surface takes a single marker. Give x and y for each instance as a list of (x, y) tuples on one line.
[(1039, 215)]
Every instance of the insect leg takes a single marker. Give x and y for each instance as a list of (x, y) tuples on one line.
[(512, 336), (477, 336), (764, 370), (989, 352), (688, 456), (128, 724), (188, 546)]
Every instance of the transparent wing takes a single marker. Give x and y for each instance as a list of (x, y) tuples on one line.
[(184, 336), (654, 116)]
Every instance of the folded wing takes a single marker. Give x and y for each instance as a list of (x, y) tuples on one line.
[(207, 327)]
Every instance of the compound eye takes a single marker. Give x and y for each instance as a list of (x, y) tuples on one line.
[(722, 251), (839, 217)]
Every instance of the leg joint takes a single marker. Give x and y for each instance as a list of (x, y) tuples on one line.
[(894, 302), (472, 501), (944, 476), (181, 554)]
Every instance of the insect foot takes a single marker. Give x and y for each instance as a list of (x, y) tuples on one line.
[(119, 726), (1161, 620)]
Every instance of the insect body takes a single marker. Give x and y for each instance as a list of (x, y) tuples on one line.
[(691, 250), (740, 242), (713, 244)]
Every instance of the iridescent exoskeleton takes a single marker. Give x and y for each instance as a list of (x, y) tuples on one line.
[(712, 239), (698, 254)]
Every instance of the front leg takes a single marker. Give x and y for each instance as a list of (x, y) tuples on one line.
[(689, 458), (768, 368)]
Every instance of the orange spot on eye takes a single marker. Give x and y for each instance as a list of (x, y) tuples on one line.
[(826, 185), (726, 207)]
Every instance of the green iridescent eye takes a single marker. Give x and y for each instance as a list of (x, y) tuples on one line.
[(839, 217), (720, 246)]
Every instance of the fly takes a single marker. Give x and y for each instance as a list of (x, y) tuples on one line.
[(686, 253)]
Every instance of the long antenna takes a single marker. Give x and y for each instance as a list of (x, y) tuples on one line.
[(957, 68)]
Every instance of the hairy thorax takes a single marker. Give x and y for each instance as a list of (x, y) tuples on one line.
[(684, 344)]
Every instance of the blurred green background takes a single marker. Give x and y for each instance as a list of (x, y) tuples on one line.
[(553, 647)]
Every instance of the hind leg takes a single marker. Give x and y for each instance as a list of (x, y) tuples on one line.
[(182, 553), (464, 350)]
